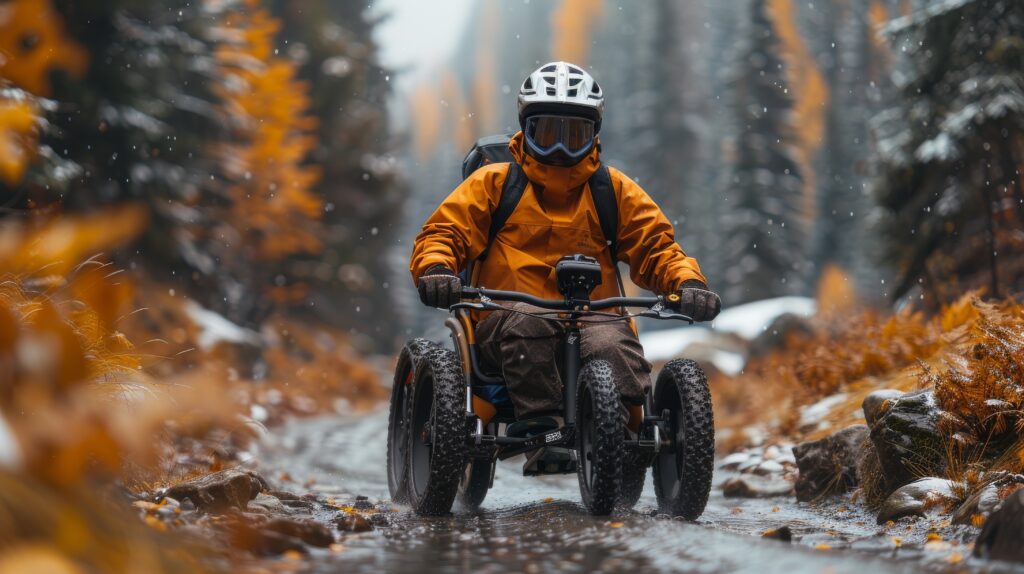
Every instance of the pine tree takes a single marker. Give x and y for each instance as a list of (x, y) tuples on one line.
[(950, 152), (764, 244), (360, 190)]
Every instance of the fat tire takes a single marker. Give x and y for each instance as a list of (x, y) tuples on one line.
[(597, 388), (434, 492), (398, 436), (476, 481), (634, 474), (687, 495)]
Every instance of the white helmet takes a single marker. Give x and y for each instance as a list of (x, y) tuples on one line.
[(560, 88)]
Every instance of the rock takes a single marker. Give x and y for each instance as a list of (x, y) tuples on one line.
[(917, 497), (769, 467), (352, 522), (877, 403), (268, 504), (734, 460), (1002, 536), (907, 440), (986, 500), (309, 531), (220, 491), (752, 486), (778, 331), (829, 466), (783, 533)]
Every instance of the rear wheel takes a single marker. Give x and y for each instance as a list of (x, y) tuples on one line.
[(398, 431), (437, 423), (476, 480), (599, 440), (683, 467)]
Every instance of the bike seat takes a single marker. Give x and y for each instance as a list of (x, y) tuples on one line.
[(531, 427)]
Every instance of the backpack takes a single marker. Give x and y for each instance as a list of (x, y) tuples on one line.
[(494, 149)]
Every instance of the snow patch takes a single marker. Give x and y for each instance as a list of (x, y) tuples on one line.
[(214, 328), (10, 452), (747, 321), (816, 413), (751, 319)]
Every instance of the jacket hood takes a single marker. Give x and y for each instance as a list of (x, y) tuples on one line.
[(554, 179)]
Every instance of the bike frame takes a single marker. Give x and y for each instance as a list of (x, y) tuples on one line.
[(463, 336)]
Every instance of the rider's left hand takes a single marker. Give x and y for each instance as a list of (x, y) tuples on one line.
[(698, 302)]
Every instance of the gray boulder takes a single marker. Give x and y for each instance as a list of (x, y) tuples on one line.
[(220, 491), (829, 466), (918, 497), (1002, 536), (906, 438)]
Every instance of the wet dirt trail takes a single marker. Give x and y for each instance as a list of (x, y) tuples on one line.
[(538, 525)]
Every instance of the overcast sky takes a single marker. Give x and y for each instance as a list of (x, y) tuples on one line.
[(419, 36)]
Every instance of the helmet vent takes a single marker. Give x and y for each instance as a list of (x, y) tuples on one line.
[(552, 91), (573, 92), (528, 84), (548, 68), (575, 70), (574, 81)]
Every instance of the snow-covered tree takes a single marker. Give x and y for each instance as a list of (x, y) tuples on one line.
[(950, 152), (764, 242)]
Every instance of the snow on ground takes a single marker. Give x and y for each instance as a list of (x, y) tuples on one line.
[(215, 328), (747, 321)]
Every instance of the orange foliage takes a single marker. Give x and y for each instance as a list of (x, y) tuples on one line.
[(273, 204), (836, 295), (810, 97), (61, 360), (456, 117), (55, 246), (426, 116), (17, 139), (485, 79), (573, 23), (971, 354), (32, 44)]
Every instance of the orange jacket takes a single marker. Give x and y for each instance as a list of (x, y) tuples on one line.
[(555, 217)]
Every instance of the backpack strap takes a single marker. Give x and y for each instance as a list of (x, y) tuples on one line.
[(603, 194), (511, 192)]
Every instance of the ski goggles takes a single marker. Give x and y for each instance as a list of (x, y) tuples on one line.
[(572, 136)]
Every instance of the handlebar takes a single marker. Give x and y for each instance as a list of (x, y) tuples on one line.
[(656, 306)]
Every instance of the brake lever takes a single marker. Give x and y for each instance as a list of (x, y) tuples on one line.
[(465, 305), (662, 311), (665, 314)]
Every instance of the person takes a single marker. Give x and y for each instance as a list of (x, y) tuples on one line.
[(558, 149)]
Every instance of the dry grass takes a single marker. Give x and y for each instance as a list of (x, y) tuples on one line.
[(971, 355), (86, 411)]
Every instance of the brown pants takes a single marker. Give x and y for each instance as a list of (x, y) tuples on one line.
[(528, 352)]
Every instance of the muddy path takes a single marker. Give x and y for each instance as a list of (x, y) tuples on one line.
[(538, 525)]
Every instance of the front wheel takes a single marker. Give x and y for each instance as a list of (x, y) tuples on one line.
[(600, 434), (437, 427), (685, 462)]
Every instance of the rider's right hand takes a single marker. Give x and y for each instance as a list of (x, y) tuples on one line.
[(440, 287)]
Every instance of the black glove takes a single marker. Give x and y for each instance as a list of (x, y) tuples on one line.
[(697, 302), (440, 287)]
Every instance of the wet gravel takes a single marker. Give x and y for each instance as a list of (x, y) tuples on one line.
[(538, 525)]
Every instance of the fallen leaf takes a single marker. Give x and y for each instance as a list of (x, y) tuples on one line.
[(615, 524)]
